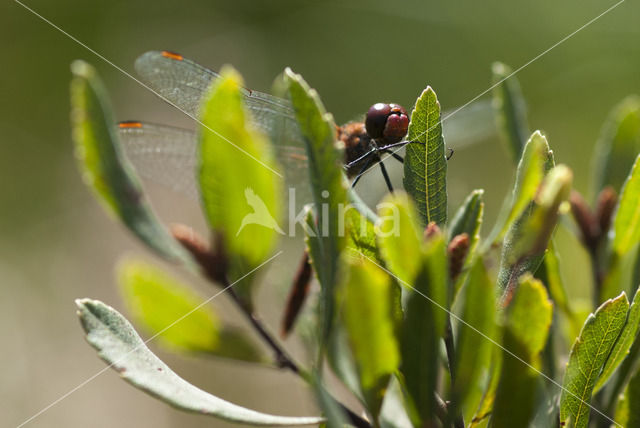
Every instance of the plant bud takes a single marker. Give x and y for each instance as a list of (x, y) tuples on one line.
[(585, 220), (457, 252), (213, 263), (607, 200), (297, 295)]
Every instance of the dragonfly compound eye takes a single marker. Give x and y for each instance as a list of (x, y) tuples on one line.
[(388, 122)]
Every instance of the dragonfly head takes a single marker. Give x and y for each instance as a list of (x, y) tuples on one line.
[(387, 122)]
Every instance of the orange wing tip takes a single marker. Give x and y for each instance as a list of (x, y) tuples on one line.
[(130, 124), (172, 55)]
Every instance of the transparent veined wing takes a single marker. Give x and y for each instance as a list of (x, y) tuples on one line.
[(168, 156), (183, 83)]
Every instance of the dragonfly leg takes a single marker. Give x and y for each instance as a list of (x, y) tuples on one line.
[(450, 153), (395, 156), (361, 172), (386, 176), (361, 158)]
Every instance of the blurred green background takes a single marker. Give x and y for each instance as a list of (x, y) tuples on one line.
[(56, 243)]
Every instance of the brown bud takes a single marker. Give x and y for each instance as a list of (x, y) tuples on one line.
[(587, 223), (213, 263), (297, 295), (457, 252), (605, 207), (431, 230)]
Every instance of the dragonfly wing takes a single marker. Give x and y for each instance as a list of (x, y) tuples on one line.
[(168, 156), (163, 154), (183, 83)]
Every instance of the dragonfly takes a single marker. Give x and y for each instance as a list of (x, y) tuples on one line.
[(167, 155)]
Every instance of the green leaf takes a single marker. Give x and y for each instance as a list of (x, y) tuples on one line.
[(327, 184), (468, 219), (535, 162), (473, 349), (121, 347), (157, 300), (618, 145), (628, 409), (399, 236), (105, 169), (368, 318), (527, 327), (359, 224), (626, 224), (549, 273), (239, 184), (528, 237), (425, 165), (588, 355), (511, 109), (423, 327), (621, 348)]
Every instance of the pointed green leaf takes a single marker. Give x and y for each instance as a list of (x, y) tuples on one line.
[(618, 145), (359, 226), (473, 349), (588, 355), (621, 348), (422, 330), (157, 300), (121, 347), (626, 224), (239, 183), (327, 184), (535, 162), (399, 236), (105, 169), (529, 235), (549, 273), (511, 111), (368, 317), (529, 317), (468, 219), (425, 165)]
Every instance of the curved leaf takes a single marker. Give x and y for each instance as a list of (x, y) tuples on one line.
[(473, 350), (527, 327), (105, 169), (535, 163), (588, 355), (529, 235), (468, 218), (618, 145), (399, 236), (121, 347), (626, 224), (239, 185), (422, 330), (425, 165), (511, 109), (365, 300), (621, 348), (327, 183), (157, 300)]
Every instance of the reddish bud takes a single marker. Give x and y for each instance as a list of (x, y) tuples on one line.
[(297, 295), (606, 205), (457, 251)]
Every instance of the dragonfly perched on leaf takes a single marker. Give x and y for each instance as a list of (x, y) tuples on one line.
[(167, 155)]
